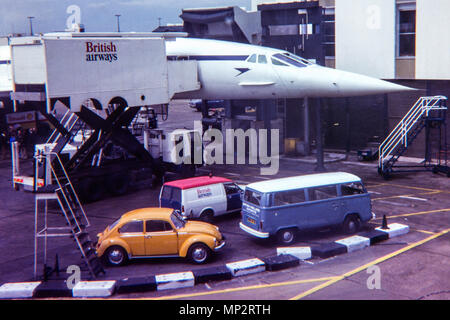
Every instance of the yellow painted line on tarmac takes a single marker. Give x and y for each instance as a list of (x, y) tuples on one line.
[(424, 231), (364, 267), (408, 195), (415, 213), (261, 286), (375, 185), (415, 188)]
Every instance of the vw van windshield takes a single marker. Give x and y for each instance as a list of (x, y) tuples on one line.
[(253, 197)]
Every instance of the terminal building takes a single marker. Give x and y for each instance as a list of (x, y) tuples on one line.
[(403, 41)]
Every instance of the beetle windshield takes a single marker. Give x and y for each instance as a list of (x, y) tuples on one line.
[(177, 220), (292, 59)]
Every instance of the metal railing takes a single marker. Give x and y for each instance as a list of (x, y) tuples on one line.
[(43, 157), (399, 135)]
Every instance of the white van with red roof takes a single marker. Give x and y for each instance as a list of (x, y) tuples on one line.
[(201, 197)]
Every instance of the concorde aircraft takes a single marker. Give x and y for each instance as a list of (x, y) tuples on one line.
[(230, 70)]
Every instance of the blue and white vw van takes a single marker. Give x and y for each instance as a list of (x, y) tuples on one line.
[(283, 207)]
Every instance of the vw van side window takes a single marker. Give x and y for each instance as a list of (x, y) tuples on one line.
[(349, 189), (157, 226), (322, 193), (132, 227), (288, 197), (253, 197)]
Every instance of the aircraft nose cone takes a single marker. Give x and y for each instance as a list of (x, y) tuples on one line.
[(352, 84)]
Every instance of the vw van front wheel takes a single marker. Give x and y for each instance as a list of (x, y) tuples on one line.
[(286, 236), (351, 224)]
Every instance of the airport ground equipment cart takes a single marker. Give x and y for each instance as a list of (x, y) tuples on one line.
[(99, 83)]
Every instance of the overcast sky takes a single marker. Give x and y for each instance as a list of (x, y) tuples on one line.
[(99, 15)]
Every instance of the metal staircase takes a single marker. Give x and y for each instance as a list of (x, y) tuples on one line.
[(57, 187), (427, 112)]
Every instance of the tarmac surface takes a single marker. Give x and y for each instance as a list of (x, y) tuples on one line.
[(412, 266)]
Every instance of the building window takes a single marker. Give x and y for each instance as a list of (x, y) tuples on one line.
[(329, 33), (329, 36), (283, 30), (406, 32)]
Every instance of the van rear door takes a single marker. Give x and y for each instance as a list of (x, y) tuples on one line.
[(251, 212), (170, 197)]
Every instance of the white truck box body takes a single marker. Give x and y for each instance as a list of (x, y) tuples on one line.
[(100, 67), (5, 70)]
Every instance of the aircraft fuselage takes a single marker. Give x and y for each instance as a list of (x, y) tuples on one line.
[(229, 70)]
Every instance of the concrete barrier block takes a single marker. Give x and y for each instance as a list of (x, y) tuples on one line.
[(18, 290), (302, 253), (327, 250), (53, 289), (281, 261), (354, 243), (395, 229), (175, 280), (94, 289), (212, 274), (138, 284), (375, 236), (245, 267)]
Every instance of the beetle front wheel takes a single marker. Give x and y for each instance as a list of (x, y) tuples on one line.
[(199, 253), (116, 256)]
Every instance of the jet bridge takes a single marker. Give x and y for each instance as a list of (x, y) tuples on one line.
[(103, 79)]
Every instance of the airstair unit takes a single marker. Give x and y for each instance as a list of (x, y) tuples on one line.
[(428, 112), (56, 186)]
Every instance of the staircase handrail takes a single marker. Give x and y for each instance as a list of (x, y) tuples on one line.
[(400, 132), (71, 187)]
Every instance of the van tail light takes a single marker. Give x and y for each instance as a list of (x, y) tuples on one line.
[(182, 209), (260, 225)]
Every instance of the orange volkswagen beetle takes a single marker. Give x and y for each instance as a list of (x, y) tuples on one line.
[(157, 232)]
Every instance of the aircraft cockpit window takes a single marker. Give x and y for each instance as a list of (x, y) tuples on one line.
[(292, 60), (299, 59), (252, 58), (278, 63), (262, 59)]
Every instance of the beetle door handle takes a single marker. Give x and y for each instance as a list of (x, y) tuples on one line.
[(147, 236)]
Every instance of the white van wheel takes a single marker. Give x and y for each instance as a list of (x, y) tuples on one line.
[(286, 236), (207, 216)]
